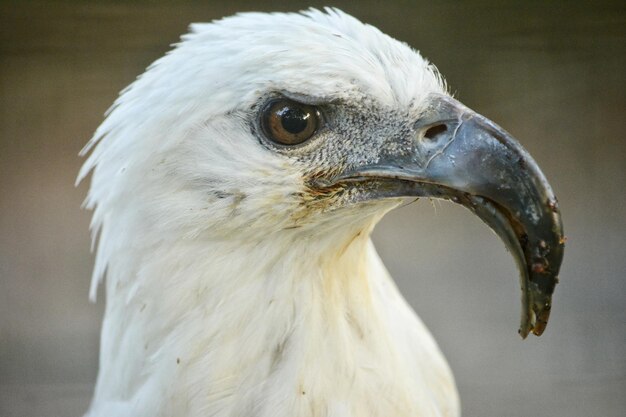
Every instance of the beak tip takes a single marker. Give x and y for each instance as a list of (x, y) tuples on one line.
[(536, 314), (523, 332), (542, 315)]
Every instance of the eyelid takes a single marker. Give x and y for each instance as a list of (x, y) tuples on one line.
[(317, 101)]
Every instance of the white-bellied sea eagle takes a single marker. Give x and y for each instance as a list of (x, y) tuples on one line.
[(234, 188)]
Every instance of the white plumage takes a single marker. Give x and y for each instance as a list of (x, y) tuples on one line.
[(228, 292)]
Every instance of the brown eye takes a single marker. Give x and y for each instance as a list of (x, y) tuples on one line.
[(289, 123)]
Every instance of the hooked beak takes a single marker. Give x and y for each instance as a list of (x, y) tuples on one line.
[(462, 156)]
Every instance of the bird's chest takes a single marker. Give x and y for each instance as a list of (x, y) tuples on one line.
[(304, 367), (337, 341)]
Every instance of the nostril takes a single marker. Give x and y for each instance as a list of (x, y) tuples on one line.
[(434, 132)]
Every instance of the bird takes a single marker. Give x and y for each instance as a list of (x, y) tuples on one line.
[(234, 187)]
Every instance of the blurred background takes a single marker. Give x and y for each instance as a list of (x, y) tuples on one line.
[(551, 73)]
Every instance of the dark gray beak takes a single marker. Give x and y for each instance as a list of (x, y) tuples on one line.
[(461, 156)]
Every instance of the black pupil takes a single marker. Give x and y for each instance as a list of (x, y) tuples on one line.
[(293, 119)]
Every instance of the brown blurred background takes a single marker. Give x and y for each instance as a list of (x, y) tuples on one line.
[(551, 73)]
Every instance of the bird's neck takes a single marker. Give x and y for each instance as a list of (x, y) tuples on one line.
[(246, 322)]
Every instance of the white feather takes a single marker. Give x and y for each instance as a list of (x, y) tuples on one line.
[(215, 306)]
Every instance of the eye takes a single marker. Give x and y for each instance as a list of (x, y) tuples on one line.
[(287, 122)]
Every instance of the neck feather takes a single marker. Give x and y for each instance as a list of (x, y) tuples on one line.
[(237, 324)]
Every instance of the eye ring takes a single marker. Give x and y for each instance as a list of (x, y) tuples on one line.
[(287, 122)]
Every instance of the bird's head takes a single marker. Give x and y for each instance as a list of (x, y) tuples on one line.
[(308, 125)]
